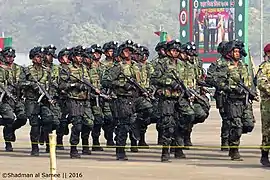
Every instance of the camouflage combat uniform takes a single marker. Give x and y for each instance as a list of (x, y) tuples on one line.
[(263, 85)]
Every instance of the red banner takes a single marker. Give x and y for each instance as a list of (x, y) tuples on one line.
[(2, 40)]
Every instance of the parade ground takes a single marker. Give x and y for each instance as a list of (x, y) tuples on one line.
[(204, 162)]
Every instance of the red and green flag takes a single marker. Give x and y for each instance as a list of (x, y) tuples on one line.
[(5, 42), (163, 36)]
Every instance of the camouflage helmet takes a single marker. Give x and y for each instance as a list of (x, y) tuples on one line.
[(191, 49), (221, 48), (77, 51), (145, 50), (110, 45), (137, 48), (127, 44), (89, 53), (174, 44), (160, 45), (50, 50), (97, 48), (63, 52), (9, 51), (36, 51)]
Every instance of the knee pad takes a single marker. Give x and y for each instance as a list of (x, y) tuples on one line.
[(247, 128), (77, 127), (235, 134)]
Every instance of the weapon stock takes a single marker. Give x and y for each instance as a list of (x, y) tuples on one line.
[(138, 86), (43, 91), (88, 84), (189, 92), (251, 95), (6, 92)]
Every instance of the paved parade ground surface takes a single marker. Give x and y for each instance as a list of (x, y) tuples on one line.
[(201, 163)]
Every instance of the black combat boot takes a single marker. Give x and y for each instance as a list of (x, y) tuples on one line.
[(9, 147), (35, 150), (59, 142), (235, 156), (165, 156), (96, 145), (74, 152), (265, 159), (179, 154), (86, 149), (121, 154), (224, 144), (134, 146), (187, 141)]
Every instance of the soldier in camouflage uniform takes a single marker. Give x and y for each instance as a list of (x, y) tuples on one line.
[(195, 74), (78, 96), (263, 85), (95, 73), (109, 122), (10, 72), (146, 70), (176, 112), (125, 92), (237, 108), (160, 49), (32, 79), (53, 70), (63, 58), (211, 79)]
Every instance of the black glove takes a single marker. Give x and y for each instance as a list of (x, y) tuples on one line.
[(175, 85), (34, 85), (128, 86), (238, 90), (83, 87)]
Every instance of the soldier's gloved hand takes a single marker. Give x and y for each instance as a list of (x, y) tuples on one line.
[(34, 85), (76, 85), (225, 89), (238, 90), (175, 86), (83, 87), (128, 86)]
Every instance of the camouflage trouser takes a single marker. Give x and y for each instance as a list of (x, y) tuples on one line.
[(144, 110), (185, 121), (241, 119), (21, 118), (168, 119), (87, 123), (109, 121), (81, 119), (99, 118), (265, 119), (64, 121), (225, 127), (8, 117), (56, 111), (123, 109), (39, 115)]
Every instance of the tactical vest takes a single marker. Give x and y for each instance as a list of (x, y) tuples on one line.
[(95, 73), (74, 92)]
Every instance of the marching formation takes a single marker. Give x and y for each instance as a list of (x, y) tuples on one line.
[(124, 93)]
